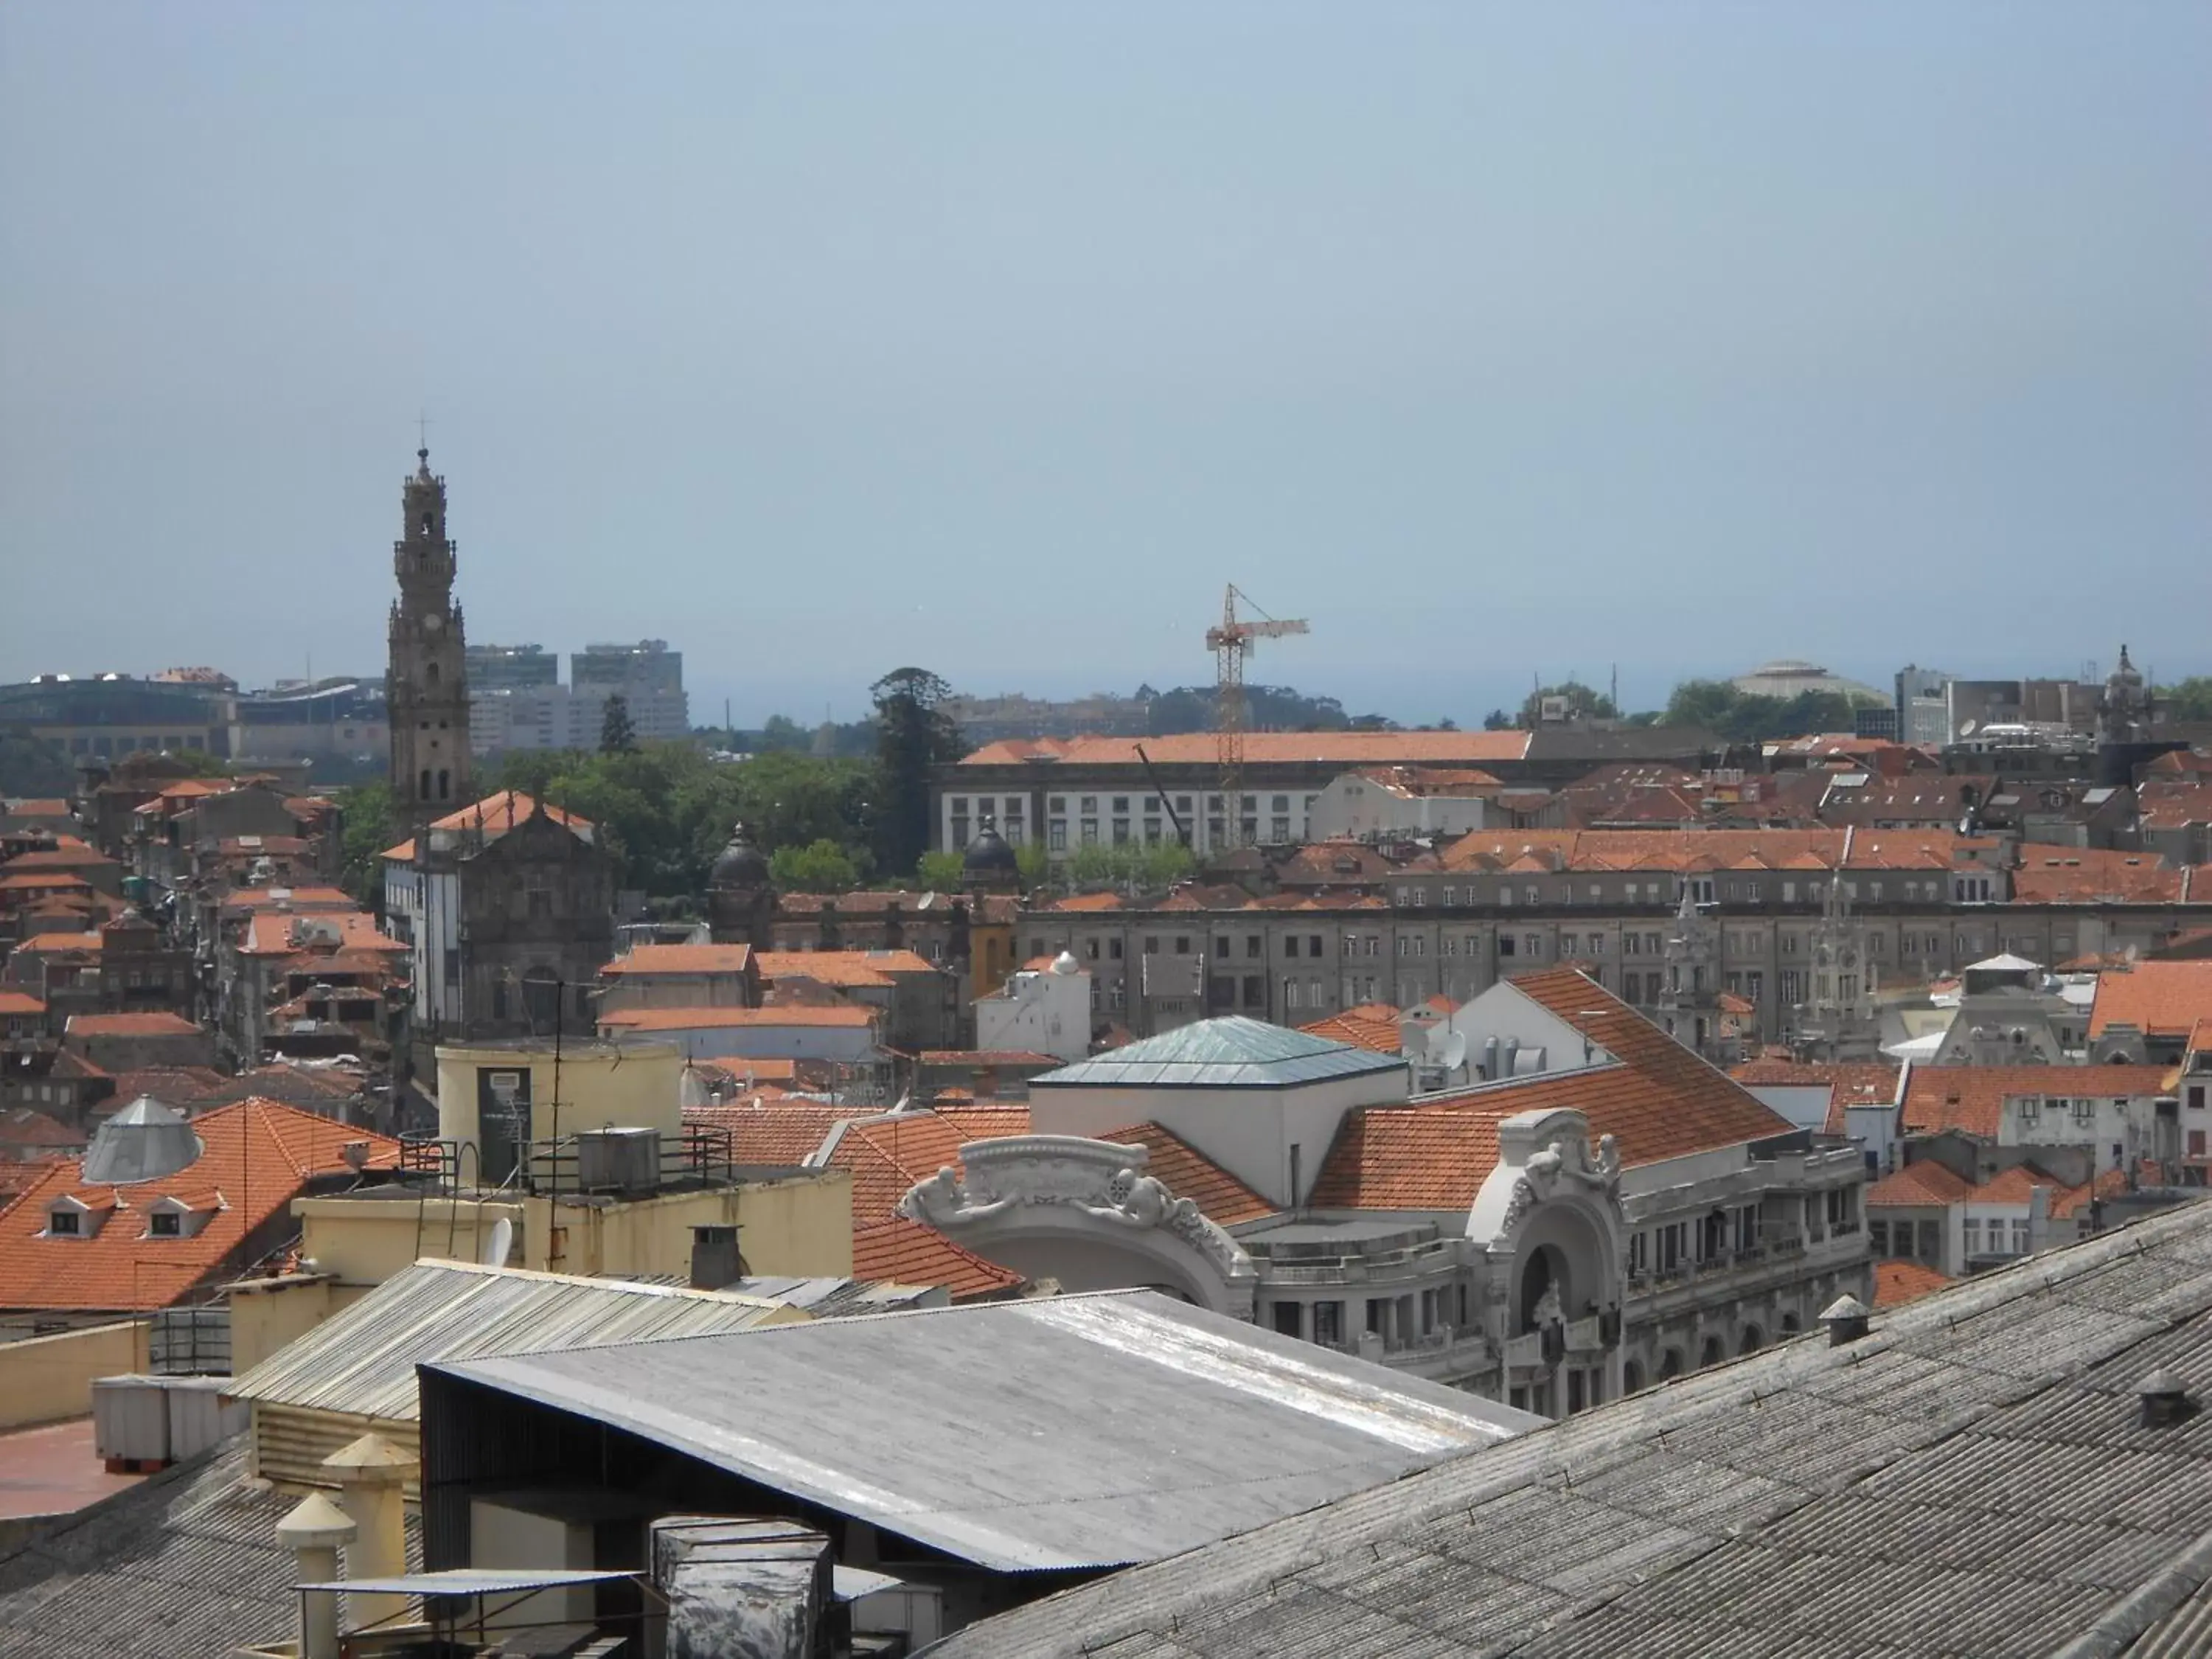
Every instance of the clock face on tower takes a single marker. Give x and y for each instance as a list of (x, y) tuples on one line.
[(433, 622)]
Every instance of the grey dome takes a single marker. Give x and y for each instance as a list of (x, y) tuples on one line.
[(989, 855), (144, 1141), (739, 864)]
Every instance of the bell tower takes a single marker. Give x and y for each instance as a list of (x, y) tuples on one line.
[(426, 681)]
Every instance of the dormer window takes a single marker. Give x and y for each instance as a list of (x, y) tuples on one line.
[(175, 1216), (66, 1224), (165, 1224)]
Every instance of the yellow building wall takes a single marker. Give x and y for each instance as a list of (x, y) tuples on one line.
[(634, 1087), (799, 1224), (991, 959), (364, 1240), (43, 1379)]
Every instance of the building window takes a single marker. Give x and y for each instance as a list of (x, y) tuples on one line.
[(1182, 944), (64, 1222), (164, 1224), (1289, 994), (1287, 1319), (1114, 949), (1329, 1323), (1090, 832), (1055, 835), (1151, 944), (1506, 945)]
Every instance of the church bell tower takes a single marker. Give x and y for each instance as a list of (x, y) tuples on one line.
[(426, 683)]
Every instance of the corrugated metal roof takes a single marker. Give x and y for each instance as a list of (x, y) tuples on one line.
[(1970, 1480), (1081, 1431), (1234, 1052), (363, 1360)]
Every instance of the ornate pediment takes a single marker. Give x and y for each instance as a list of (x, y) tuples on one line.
[(1097, 1179)]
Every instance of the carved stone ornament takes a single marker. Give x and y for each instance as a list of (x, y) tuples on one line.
[(1565, 1162), (1098, 1178)]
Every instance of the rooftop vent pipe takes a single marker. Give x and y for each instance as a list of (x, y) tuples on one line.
[(1846, 1318), (2165, 1400)]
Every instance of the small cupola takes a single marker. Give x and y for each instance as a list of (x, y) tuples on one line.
[(1847, 1320), (2165, 1400)]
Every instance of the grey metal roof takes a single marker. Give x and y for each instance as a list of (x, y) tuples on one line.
[(183, 1563), (840, 1299), (1232, 1052), (467, 1581), (1968, 1480), (1072, 1432), (144, 1141), (363, 1360)]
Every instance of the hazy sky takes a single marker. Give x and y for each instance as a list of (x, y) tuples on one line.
[(822, 339)]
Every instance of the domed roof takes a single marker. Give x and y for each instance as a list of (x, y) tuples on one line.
[(144, 1141), (989, 855), (1064, 964), (739, 864), (2126, 673)]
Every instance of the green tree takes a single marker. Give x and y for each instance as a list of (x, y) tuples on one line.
[(366, 810), (940, 872), (1035, 864), (32, 765), (1131, 866), (2188, 700), (1498, 721), (913, 736), (821, 866), (617, 735)]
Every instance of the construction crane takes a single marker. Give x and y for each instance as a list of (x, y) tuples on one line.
[(1229, 643)]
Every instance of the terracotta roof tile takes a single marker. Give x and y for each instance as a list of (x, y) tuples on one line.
[(279, 933), (776, 1132), (902, 1252), (1918, 1186), (258, 1154), (681, 959), (1188, 1173), (1849, 1083), (20, 1002), (495, 815), (1896, 1282), (2159, 999), (844, 969), (785, 1014), (1361, 1032), (56, 944), (1657, 1100), (1972, 1099), (2089, 875), (1676, 850), (147, 1024)]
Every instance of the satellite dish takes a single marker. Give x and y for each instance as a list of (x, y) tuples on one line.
[(692, 1091), (1451, 1054), (1966, 728), (497, 1242)]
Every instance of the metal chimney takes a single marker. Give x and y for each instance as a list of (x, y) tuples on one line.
[(1846, 1318), (715, 1261)]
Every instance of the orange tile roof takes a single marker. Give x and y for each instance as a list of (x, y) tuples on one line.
[(47, 944), (888, 1156), (21, 1126), (277, 933), (681, 959), (1346, 749), (1657, 1100), (2089, 875), (1849, 1083), (148, 1024), (493, 815), (1676, 850), (1361, 1032), (1409, 1158), (2070, 1201), (775, 1132), (258, 1154), (2159, 999), (20, 1002), (300, 898), (683, 1019), (1089, 901), (1896, 1282), (985, 1057), (902, 1252), (60, 881), (79, 857), (2016, 1185), (1972, 1099), (37, 806), (1188, 1173), (1918, 1186), (845, 969)]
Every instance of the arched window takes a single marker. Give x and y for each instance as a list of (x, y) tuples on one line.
[(1632, 1377), (429, 523), (445, 785), (1790, 1326), (541, 999), (430, 675), (425, 791), (1712, 1353), (1670, 1364), (1753, 1338)]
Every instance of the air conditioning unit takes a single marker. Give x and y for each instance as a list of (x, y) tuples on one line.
[(625, 1161)]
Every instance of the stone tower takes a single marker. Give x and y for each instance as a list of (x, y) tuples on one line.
[(1837, 1020), (426, 683), (1688, 1006)]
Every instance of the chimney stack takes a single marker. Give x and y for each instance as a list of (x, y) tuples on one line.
[(2165, 1400), (1846, 1318), (716, 1261), (370, 1473), (313, 1531)]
